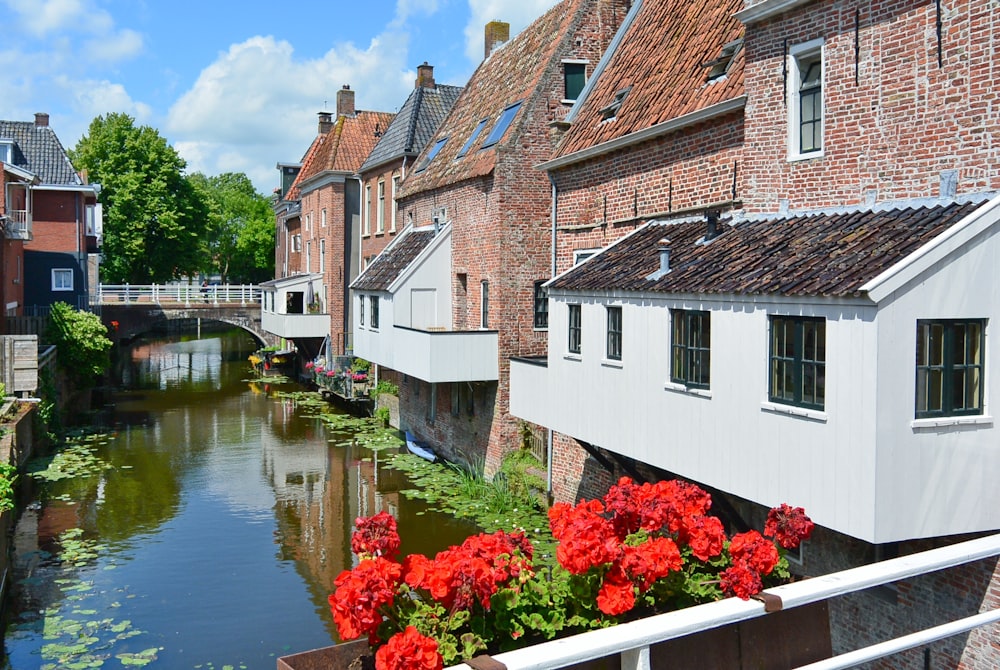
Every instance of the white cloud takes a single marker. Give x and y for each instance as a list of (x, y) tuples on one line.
[(518, 15), (117, 47), (407, 8), (92, 98), (53, 16), (257, 104)]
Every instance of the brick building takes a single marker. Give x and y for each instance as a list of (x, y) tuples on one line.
[(51, 221), (764, 237), (465, 305), (321, 240)]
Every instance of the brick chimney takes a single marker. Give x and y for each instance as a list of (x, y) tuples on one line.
[(497, 33), (345, 101), (41, 119), (425, 76), (325, 122)]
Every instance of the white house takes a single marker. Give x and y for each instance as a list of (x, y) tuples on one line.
[(844, 362)]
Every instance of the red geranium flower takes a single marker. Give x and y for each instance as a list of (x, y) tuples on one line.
[(741, 580), (705, 535), (755, 551), (617, 595), (375, 536), (409, 650), (789, 526), (359, 595)]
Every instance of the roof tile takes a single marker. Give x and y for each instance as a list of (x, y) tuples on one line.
[(38, 150)]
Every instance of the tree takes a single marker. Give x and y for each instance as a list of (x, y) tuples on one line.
[(154, 220), (82, 343), (241, 227)]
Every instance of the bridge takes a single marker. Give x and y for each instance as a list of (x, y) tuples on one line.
[(132, 309)]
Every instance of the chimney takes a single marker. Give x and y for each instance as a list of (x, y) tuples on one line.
[(663, 248), (41, 119), (345, 101), (712, 229), (497, 33), (325, 122), (425, 76)]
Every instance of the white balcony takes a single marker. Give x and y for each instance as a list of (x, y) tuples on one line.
[(295, 325), (17, 225), (446, 355)]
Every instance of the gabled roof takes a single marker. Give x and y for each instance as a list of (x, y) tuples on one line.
[(39, 151), (512, 73), (413, 125), (662, 61), (830, 255), (394, 260), (342, 149)]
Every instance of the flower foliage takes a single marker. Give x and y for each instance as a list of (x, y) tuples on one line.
[(648, 546)]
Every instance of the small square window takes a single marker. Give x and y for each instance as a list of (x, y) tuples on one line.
[(374, 311), (614, 350), (574, 79), (62, 280), (690, 348), (798, 361), (611, 111), (950, 367)]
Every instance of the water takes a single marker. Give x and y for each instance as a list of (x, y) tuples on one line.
[(216, 533)]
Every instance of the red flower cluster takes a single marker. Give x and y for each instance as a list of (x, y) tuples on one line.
[(409, 650), (309, 365), (375, 536), (789, 526), (360, 595), (471, 573)]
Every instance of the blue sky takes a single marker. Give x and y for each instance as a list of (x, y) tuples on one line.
[(233, 86)]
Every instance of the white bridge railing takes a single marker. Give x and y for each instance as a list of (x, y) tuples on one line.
[(177, 294), (632, 640)]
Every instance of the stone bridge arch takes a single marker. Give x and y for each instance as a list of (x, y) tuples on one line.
[(136, 318)]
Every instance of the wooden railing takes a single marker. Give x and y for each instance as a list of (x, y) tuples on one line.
[(184, 294)]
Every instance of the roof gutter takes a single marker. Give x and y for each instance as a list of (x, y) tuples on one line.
[(646, 134), (767, 9), (74, 188)]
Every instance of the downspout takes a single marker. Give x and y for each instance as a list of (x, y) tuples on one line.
[(548, 438)]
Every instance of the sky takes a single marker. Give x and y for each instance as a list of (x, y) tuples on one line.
[(233, 86)]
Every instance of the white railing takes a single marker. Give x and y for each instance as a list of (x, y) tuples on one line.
[(632, 640), (178, 294), (18, 225)]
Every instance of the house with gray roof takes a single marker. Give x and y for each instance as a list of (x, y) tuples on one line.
[(51, 221)]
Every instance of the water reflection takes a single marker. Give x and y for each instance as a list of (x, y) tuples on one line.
[(223, 519)]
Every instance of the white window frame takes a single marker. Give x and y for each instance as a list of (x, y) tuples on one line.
[(380, 212), (61, 285), (797, 55), (580, 255), (322, 255), (392, 211), (366, 217), (6, 150), (322, 218)]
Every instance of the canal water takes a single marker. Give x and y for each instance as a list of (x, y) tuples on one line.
[(208, 528)]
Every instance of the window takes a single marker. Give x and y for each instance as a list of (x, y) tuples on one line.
[(541, 305), (611, 111), (366, 215), (296, 243), (308, 222), (322, 255), (374, 310), (805, 95), (690, 353), (380, 220), (392, 205), (431, 154), (580, 255), (575, 328), (322, 218), (798, 361), (62, 280), (309, 251), (720, 66), (472, 138), (574, 79), (950, 367), (506, 117), (6, 150), (485, 306), (614, 348), (361, 310)]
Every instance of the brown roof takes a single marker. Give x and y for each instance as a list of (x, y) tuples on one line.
[(389, 264), (512, 73), (344, 148), (816, 255), (661, 57)]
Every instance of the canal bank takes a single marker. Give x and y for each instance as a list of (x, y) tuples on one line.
[(210, 530)]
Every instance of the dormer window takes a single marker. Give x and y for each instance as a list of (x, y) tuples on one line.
[(506, 117), (611, 111), (720, 66), (6, 150), (431, 154), (472, 138)]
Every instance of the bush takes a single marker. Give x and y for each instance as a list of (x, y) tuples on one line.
[(384, 387), (82, 342), (8, 475)]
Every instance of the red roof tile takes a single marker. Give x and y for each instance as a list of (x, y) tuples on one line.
[(661, 58)]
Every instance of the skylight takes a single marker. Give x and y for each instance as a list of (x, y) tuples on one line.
[(719, 66), (506, 116), (611, 111), (431, 154), (472, 138)]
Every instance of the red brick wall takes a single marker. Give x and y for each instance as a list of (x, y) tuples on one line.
[(336, 273), (55, 224), (373, 244), (892, 134)]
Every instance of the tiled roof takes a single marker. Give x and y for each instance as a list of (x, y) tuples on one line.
[(511, 74), (344, 148), (661, 58), (388, 265), (414, 124), (815, 255), (38, 150)]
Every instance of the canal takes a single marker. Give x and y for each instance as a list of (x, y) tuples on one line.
[(204, 529)]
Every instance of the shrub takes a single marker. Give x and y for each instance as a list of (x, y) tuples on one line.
[(82, 342)]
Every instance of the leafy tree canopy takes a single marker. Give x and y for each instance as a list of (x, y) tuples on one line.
[(154, 219), (81, 342), (241, 228)]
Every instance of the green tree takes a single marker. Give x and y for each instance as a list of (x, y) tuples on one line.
[(154, 219), (81, 341), (241, 227)]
